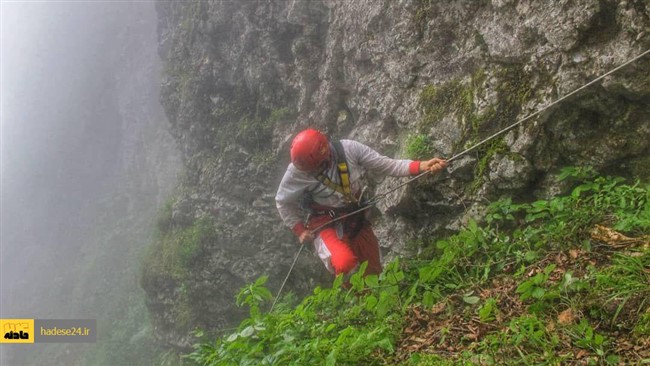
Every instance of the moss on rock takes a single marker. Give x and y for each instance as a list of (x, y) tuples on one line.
[(458, 99), (175, 250)]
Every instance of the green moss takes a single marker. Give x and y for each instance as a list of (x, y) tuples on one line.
[(492, 148), (280, 115), (263, 159), (418, 147), (256, 132), (456, 99), (190, 15), (423, 13), (642, 327), (452, 97), (164, 219), (169, 262), (175, 250), (252, 131), (179, 74), (183, 314), (513, 90), (641, 168)]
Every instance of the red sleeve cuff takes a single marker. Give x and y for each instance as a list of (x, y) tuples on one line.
[(298, 229), (414, 167)]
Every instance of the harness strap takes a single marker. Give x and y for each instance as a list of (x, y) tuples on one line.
[(344, 175), (345, 179), (320, 215)]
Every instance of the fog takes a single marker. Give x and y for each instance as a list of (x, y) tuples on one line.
[(85, 161), (59, 123)]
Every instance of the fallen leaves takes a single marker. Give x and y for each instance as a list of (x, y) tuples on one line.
[(566, 317), (438, 308), (614, 238), (452, 326)]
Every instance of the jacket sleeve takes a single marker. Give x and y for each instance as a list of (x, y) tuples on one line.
[(378, 164), (287, 199)]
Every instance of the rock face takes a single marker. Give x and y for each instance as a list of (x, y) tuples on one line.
[(412, 77)]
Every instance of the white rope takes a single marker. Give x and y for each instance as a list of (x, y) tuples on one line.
[(547, 106), (295, 259)]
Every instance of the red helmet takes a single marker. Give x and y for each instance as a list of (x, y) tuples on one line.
[(309, 150)]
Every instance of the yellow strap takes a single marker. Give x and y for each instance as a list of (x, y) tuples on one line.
[(344, 188), (345, 180)]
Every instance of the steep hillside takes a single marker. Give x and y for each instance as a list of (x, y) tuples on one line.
[(552, 282), (410, 78)]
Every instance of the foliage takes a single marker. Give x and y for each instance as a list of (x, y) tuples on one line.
[(175, 249), (511, 291), (164, 219), (170, 260), (333, 326)]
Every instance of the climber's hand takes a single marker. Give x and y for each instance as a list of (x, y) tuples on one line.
[(305, 237), (434, 165)]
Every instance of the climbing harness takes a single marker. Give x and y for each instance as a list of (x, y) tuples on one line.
[(344, 175), (379, 197)]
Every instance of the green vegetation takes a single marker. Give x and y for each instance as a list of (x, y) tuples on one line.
[(176, 249), (423, 13), (418, 147), (252, 131), (490, 149), (548, 282), (169, 261)]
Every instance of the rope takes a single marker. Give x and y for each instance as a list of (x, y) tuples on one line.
[(302, 246), (548, 106), (381, 196)]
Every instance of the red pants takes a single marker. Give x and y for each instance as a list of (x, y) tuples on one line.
[(347, 253)]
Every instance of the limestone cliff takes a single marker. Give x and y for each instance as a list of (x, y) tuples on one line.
[(412, 77)]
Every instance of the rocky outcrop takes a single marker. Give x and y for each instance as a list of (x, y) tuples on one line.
[(416, 77)]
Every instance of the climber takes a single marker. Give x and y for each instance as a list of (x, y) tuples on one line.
[(324, 179)]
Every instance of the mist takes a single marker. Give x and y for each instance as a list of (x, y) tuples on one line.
[(86, 161)]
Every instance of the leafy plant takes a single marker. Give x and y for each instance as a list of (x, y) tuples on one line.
[(584, 336), (534, 287), (254, 295), (488, 311)]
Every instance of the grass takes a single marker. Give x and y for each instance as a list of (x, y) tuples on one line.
[(534, 284)]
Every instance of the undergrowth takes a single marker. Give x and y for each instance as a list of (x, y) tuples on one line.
[(558, 281)]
